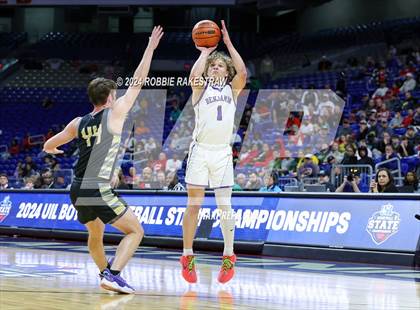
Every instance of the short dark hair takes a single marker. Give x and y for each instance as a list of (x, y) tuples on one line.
[(4, 175), (99, 90)]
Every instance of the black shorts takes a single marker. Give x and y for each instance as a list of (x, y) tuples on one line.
[(95, 200)]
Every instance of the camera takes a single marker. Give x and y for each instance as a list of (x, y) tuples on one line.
[(350, 177)]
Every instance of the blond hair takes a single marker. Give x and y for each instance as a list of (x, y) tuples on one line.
[(226, 59)]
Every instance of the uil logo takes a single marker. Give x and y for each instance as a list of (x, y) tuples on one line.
[(5, 207), (383, 224)]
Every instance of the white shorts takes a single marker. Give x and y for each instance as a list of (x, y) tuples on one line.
[(210, 165)]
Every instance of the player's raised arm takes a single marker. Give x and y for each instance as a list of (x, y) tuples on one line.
[(124, 103), (65, 136), (239, 80), (198, 68)]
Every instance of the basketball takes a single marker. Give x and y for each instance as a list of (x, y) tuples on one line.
[(206, 33)]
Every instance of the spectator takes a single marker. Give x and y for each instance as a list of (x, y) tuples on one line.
[(4, 181), (380, 91), (396, 121), (411, 135), (350, 156), (173, 182), (410, 102), (141, 129), (409, 83), (161, 180), (335, 152), (173, 164), (46, 180), (176, 111), (254, 182), (265, 156), (240, 182), (350, 183), (146, 179), (364, 158), (386, 139), (288, 164), (409, 119), (383, 112), (307, 128), (383, 183), (389, 154), (309, 169), (345, 129), (132, 177), (411, 180), (150, 145), (160, 164), (29, 167), (363, 130), (416, 117), (324, 179), (381, 130), (405, 149), (29, 182), (292, 125), (271, 183), (14, 148)]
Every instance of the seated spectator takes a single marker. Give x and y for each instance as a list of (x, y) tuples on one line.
[(335, 152), (409, 119), (416, 117), (29, 167), (161, 180), (132, 177), (409, 102), (405, 149), (254, 182), (363, 130), (350, 156), (160, 163), (270, 183), (389, 154), (4, 181), (176, 111), (141, 129), (324, 179), (14, 148), (396, 121), (386, 139), (247, 158), (240, 183), (46, 180), (146, 180), (173, 183), (345, 129), (411, 135), (309, 169), (380, 130), (288, 164), (350, 183), (409, 83), (380, 91), (264, 157), (29, 182), (364, 158), (173, 164), (411, 180), (383, 112), (383, 183), (150, 145)]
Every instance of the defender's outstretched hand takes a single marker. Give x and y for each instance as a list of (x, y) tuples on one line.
[(155, 36)]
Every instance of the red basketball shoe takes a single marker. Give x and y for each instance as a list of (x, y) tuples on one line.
[(226, 271), (188, 268)]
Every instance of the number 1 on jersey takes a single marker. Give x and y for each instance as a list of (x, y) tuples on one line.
[(219, 113)]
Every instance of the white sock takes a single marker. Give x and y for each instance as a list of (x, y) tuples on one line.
[(188, 252), (227, 218)]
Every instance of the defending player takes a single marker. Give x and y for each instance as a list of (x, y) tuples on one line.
[(210, 157), (98, 135)]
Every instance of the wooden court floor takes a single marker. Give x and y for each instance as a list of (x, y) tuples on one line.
[(39, 274)]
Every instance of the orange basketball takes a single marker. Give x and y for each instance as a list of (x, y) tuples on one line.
[(206, 33)]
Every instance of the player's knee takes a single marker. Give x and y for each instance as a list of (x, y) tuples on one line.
[(193, 209), (223, 197)]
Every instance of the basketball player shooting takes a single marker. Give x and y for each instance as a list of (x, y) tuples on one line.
[(210, 156), (101, 130)]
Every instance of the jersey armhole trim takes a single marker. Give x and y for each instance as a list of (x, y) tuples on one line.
[(201, 95), (233, 95)]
